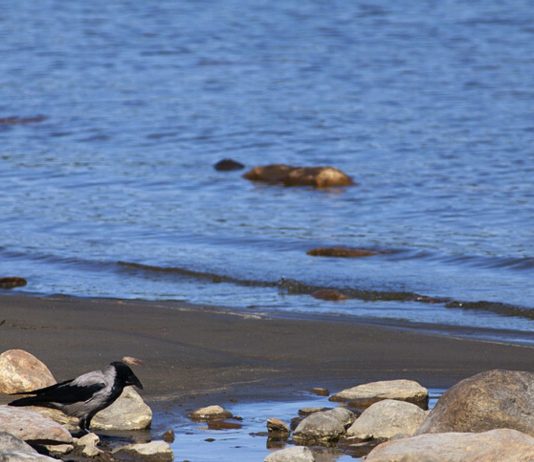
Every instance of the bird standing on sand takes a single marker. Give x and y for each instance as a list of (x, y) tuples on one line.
[(85, 395)]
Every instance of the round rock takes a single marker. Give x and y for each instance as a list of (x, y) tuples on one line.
[(21, 371), (323, 427), (385, 420), (128, 412)]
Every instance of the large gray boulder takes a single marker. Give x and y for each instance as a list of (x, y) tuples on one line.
[(21, 371), (294, 454), (323, 427), (362, 396), (129, 412), (503, 445), (489, 400), (385, 420), (32, 427)]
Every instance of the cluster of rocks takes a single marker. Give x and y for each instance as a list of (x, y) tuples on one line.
[(488, 417), (27, 431)]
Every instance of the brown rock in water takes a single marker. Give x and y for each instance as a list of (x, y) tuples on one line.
[(223, 425), (287, 175), (168, 436), (341, 252), (320, 391), (277, 428), (21, 371), (329, 294), (227, 165), (503, 445), (11, 282), (492, 399)]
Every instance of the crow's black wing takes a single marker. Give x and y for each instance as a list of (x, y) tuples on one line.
[(39, 390), (64, 393)]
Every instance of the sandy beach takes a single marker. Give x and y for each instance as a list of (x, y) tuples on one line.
[(193, 351)]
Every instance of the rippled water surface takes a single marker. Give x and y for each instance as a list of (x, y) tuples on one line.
[(113, 113)]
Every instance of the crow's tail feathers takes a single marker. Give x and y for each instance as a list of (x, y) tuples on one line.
[(28, 401)]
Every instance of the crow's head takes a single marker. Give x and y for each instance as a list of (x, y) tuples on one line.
[(125, 375)]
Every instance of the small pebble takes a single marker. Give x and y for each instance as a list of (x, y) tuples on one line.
[(320, 391), (168, 436)]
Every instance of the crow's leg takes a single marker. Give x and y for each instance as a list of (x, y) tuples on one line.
[(84, 427)]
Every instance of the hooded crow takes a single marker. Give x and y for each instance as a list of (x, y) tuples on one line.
[(85, 395)]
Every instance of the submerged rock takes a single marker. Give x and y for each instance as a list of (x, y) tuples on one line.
[(12, 282), (226, 165), (223, 425), (32, 427), (294, 454), (21, 371), (17, 120), (341, 252), (287, 175), (210, 412), (501, 445), (385, 420), (155, 451), (489, 400), (362, 396), (329, 294), (128, 412), (323, 427)]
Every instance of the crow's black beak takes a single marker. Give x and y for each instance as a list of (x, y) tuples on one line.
[(133, 380)]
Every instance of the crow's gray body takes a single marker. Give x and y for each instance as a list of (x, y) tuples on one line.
[(85, 395)]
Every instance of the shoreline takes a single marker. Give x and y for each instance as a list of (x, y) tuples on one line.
[(191, 352)]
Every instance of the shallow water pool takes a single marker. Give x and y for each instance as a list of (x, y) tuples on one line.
[(194, 442)]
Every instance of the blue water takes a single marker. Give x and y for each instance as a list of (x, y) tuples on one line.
[(428, 105)]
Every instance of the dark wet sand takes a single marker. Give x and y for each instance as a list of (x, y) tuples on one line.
[(193, 351)]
